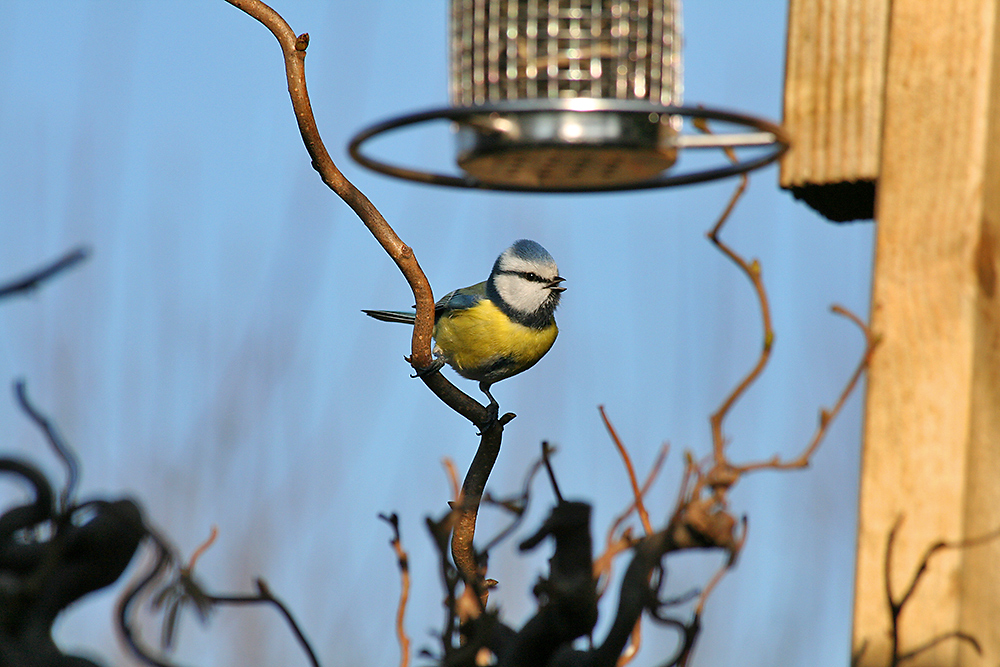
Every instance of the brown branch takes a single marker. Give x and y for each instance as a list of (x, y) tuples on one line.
[(200, 551), (717, 577), (452, 472), (462, 549), (403, 561), (640, 507), (826, 416), (752, 272), (616, 545), (293, 49), (654, 472)]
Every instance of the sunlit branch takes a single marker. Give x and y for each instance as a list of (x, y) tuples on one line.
[(640, 507), (403, 561), (293, 47), (826, 416), (753, 273)]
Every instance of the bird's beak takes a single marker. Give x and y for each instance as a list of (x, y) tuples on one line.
[(555, 286)]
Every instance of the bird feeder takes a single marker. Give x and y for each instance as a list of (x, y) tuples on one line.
[(573, 95)]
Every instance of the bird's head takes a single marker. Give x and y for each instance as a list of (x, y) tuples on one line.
[(526, 283)]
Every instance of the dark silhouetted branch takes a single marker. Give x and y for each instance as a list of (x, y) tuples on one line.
[(34, 279), (62, 451)]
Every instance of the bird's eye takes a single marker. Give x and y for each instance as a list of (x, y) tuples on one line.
[(534, 277)]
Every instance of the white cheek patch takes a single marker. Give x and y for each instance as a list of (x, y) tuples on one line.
[(519, 265), (522, 295)]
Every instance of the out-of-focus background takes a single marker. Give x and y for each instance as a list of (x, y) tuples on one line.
[(211, 358)]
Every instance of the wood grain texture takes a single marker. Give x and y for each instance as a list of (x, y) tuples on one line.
[(833, 106), (932, 433)]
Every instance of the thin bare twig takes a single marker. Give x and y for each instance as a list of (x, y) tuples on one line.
[(640, 507), (62, 451), (546, 451), (723, 569), (403, 561), (213, 533), (452, 472), (34, 279), (519, 505), (654, 472), (183, 588), (753, 273), (826, 416), (265, 595)]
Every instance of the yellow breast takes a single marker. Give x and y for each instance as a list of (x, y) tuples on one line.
[(481, 343)]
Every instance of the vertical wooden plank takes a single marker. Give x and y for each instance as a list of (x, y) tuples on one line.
[(834, 76), (932, 450)]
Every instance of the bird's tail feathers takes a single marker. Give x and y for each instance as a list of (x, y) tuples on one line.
[(391, 316)]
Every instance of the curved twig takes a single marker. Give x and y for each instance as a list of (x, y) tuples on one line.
[(826, 417), (132, 594), (403, 562), (60, 447), (293, 48), (752, 272), (640, 506), (265, 595)]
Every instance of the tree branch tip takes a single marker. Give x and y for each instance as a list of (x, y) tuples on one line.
[(203, 547), (393, 520), (302, 42)]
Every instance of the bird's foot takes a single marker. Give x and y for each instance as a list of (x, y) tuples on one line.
[(435, 366), (492, 410)]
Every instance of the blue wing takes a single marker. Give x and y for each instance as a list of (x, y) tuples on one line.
[(460, 299)]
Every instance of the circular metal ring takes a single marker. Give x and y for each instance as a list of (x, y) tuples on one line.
[(767, 135)]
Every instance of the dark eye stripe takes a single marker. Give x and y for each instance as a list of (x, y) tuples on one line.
[(527, 275)]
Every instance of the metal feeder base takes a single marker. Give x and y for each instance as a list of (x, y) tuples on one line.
[(557, 149)]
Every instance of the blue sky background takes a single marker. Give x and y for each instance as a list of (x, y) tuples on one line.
[(211, 358)]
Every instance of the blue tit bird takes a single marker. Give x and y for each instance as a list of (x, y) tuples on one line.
[(500, 327)]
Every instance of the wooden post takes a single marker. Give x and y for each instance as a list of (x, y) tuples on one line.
[(834, 85), (932, 432)]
